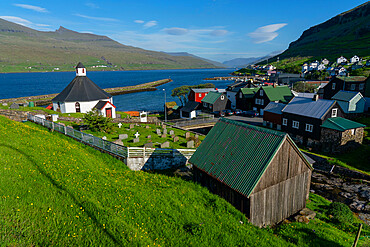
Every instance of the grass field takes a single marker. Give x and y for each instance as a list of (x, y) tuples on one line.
[(54, 191)]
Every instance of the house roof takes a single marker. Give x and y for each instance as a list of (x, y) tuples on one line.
[(237, 154), (101, 104), (80, 65), (278, 93), (81, 88), (352, 78), (345, 95), (248, 92), (341, 124), (308, 107), (190, 106), (274, 108), (202, 90), (211, 97)]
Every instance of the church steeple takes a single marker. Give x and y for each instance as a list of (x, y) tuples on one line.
[(80, 70)]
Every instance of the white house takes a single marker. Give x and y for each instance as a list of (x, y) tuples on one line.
[(314, 65), (341, 60), (321, 67), (350, 102), (342, 71), (325, 61), (355, 59), (304, 67), (83, 95)]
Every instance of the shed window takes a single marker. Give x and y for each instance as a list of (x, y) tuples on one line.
[(334, 112), (333, 86), (309, 127), (261, 92), (285, 121), (78, 107), (353, 86), (241, 95), (295, 124), (361, 86)]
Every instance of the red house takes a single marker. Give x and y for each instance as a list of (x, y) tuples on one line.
[(197, 94)]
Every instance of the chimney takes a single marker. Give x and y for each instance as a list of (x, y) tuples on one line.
[(315, 97)]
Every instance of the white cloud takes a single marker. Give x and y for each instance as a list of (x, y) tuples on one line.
[(139, 21), (32, 7), (176, 31), (266, 33), (42, 25), (96, 18), (218, 32), (150, 24), (92, 5), (17, 20)]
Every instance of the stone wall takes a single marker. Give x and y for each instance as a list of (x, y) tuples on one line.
[(14, 115), (336, 141), (347, 136), (156, 162)]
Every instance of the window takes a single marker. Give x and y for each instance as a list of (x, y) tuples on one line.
[(222, 97), (361, 86), (353, 131), (353, 86), (295, 124), (334, 112), (261, 101), (285, 121), (333, 86), (309, 127), (241, 95), (261, 92), (257, 101), (78, 107), (200, 95)]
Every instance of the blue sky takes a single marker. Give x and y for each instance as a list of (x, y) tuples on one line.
[(215, 29)]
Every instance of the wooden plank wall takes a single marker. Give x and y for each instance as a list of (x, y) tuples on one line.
[(277, 202)]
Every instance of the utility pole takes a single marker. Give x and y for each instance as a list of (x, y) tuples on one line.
[(165, 107)]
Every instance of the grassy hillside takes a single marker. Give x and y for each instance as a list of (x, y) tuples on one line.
[(23, 49), (56, 191)]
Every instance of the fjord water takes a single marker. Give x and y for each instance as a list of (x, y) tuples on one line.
[(13, 85)]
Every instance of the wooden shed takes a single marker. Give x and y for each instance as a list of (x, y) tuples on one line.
[(258, 170)]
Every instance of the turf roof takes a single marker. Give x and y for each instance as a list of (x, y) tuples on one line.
[(211, 97)]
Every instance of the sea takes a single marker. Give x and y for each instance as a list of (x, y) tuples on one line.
[(14, 85)]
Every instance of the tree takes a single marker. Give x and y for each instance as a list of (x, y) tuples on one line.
[(183, 91), (97, 122)]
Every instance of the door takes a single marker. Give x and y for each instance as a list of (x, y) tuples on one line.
[(108, 112)]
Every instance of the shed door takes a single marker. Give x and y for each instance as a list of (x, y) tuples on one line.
[(108, 112)]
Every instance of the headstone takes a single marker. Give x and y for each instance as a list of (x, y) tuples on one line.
[(123, 136), (119, 125), (132, 126), (165, 131), (104, 137), (148, 145), (164, 126), (164, 136), (159, 132), (14, 106), (147, 127), (137, 134), (149, 136), (165, 145), (187, 135), (196, 136), (5, 104), (172, 132), (172, 136), (176, 139), (190, 144), (136, 140), (119, 142), (118, 115)]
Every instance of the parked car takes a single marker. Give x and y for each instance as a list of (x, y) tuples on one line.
[(228, 112), (218, 113), (250, 114), (238, 112)]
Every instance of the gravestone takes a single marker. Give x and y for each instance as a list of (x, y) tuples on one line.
[(136, 140), (119, 125), (137, 134), (164, 136), (149, 136), (14, 106), (148, 145), (172, 132), (165, 145), (104, 137), (196, 136), (173, 136), (176, 139), (190, 144), (118, 115), (119, 142), (187, 135), (132, 126), (147, 127), (159, 132), (5, 104), (123, 136), (165, 131), (164, 126)]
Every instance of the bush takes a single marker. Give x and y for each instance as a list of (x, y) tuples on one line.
[(341, 213), (97, 122)]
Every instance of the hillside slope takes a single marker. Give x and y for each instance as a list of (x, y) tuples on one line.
[(22, 47), (346, 34)]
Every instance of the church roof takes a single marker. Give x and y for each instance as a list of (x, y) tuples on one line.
[(81, 88), (80, 65)]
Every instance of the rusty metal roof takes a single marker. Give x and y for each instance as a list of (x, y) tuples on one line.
[(237, 154)]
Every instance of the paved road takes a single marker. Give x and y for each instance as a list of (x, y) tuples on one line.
[(248, 120)]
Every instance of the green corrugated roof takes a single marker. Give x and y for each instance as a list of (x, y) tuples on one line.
[(341, 124), (237, 154), (279, 93), (211, 97), (352, 78), (248, 92)]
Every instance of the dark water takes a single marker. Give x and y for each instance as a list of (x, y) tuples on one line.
[(13, 85)]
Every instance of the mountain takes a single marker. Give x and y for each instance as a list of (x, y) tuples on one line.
[(243, 62), (24, 49), (346, 34), (185, 54)]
